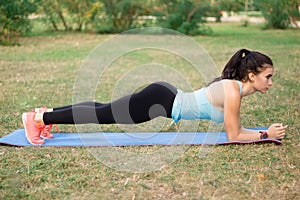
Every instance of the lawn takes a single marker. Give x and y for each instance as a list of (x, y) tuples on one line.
[(42, 71)]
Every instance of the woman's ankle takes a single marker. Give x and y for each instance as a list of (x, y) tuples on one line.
[(38, 118)]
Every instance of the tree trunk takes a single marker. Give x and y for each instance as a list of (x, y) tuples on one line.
[(79, 26), (63, 20), (191, 14), (53, 23)]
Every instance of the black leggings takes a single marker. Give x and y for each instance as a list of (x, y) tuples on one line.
[(153, 101)]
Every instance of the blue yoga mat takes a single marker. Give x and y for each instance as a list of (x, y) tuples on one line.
[(18, 138)]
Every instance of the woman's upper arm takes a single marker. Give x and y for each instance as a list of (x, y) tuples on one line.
[(232, 103)]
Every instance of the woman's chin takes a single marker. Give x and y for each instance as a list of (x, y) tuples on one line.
[(263, 91)]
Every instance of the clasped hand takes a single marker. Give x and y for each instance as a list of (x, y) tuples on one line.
[(277, 131)]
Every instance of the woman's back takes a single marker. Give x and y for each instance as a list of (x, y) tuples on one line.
[(216, 92)]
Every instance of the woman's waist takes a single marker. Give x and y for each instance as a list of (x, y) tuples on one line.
[(195, 105)]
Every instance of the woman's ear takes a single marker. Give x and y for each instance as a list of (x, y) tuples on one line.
[(251, 76)]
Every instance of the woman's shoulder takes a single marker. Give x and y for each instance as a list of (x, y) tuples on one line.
[(228, 82), (230, 87)]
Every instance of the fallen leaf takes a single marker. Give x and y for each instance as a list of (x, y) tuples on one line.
[(261, 176)]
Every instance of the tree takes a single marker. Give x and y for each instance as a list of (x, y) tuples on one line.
[(232, 5), (83, 12), (294, 12), (53, 11), (185, 16), (71, 14), (121, 14), (278, 13), (14, 19)]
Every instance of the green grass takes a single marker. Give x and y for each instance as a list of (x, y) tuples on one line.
[(42, 70)]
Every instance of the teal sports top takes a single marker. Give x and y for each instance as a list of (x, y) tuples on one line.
[(195, 105)]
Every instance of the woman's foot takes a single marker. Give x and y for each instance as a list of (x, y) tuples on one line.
[(45, 133), (32, 129)]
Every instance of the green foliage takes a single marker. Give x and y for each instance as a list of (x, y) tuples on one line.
[(103, 16), (14, 19), (245, 23), (232, 5), (277, 12), (185, 16), (71, 14), (214, 10), (52, 10), (120, 15), (114, 16)]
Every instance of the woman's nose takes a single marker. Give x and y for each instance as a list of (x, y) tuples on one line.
[(270, 82)]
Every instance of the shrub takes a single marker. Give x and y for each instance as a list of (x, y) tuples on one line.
[(14, 19), (276, 12), (184, 16), (121, 15)]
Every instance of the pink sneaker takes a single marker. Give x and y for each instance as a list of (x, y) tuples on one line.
[(45, 133), (32, 130)]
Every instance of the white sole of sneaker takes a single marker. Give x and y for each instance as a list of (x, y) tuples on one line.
[(46, 138), (24, 115)]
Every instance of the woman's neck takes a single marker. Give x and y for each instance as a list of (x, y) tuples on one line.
[(247, 89)]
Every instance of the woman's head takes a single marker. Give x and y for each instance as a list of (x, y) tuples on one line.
[(244, 62)]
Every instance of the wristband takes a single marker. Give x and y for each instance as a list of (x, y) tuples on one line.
[(263, 134)]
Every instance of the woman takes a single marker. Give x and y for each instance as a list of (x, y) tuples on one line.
[(246, 72)]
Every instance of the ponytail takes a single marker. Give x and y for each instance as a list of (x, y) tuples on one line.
[(233, 67), (241, 63)]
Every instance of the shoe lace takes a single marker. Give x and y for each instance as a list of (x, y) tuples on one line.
[(47, 128)]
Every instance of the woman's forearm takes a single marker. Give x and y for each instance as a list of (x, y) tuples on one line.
[(243, 134), (246, 134)]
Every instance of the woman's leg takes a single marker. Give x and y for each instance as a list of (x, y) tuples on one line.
[(88, 103), (153, 101)]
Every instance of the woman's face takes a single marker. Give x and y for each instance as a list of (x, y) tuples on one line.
[(262, 81)]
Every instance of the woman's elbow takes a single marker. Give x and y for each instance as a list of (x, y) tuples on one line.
[(231, 137)]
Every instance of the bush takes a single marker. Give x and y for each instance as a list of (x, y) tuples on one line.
[(121, 15), (276, 12), (184, 16), (68, 15), (14, 19)]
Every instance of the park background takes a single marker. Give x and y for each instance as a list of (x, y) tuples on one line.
[(45, 42)]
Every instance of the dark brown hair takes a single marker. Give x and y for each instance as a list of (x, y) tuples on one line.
[(242, 63)]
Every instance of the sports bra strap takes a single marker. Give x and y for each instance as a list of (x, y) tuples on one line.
[(241, 86)]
